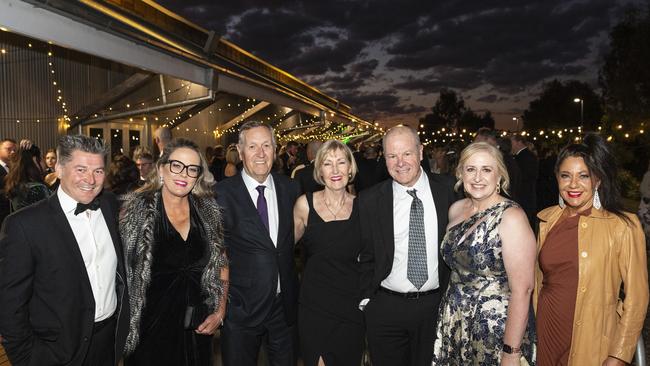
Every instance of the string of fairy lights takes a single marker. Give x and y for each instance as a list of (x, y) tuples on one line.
[(313, 127)]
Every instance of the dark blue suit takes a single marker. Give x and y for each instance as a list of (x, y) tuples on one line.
[(254, 310)]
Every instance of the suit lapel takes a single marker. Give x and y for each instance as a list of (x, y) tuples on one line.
[(109, 218), (385, 205), (284, 210), (67, 238), (441, 207)]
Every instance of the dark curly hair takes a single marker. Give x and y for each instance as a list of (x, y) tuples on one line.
[(24, 169), (602, 164), (123, 175)]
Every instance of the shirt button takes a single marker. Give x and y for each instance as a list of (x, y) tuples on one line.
[(583, 254), (579, 323), (584, 225), (583, 289), (85, 339)]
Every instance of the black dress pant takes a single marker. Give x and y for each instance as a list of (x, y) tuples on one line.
[(101, 351), (241, 345), (401, 331)]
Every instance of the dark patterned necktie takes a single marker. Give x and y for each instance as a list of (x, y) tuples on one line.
[(262, 208), (416, 270)]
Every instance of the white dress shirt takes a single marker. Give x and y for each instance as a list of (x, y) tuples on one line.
[(271, 205), (96, 246), (5, 166), (397, 280)]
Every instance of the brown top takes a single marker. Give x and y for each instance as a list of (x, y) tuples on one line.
[(558, 260)]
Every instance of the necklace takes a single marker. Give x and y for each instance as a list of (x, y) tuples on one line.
[(340, 207)]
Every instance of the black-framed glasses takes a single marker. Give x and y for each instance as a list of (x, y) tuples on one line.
[(177, 167)]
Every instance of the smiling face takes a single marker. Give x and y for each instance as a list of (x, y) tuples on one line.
[(576, 184), (179, 184), (480, 175), (335, 170), (82, 177), (257, 152), (403, 156)]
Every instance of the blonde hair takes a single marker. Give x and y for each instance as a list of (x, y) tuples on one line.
[(330, 147), (205, 181), (478, 147), (232, 156)]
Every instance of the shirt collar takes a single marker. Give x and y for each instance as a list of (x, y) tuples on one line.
[(251, 183), (520, 150), (419, 186), (68, 204)]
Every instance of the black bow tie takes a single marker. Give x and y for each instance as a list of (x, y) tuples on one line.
[(82, 207)]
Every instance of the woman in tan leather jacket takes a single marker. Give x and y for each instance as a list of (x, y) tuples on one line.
[(588, 250)]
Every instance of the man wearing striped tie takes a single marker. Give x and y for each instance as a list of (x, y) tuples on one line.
[(403, 220)]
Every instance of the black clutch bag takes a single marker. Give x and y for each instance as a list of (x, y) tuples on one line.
[(194, 316)]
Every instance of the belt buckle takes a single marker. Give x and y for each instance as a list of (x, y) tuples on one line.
[(413, 295)]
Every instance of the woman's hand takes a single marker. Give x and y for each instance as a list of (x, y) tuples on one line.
[(212, 322), (612, 361), (510, 359)]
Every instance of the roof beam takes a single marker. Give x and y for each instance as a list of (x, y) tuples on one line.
[(256, 108), (41, 23)]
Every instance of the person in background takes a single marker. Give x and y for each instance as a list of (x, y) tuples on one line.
[(402, 278), (122, 175), (589, 249), (177, 268), (304, 173), (290, 157), (232, 161), (329, 320), (529, 167), (218, 163), (63, 297), (7, 149), (491, 251), (162, 136), (144, 163), (24, 184), (50, 161), (259, 239)]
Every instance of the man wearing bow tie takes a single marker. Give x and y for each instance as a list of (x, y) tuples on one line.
[(63, 299)]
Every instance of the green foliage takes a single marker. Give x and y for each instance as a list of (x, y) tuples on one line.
[(556, 108), (625, 75), (450, 112), (629, 185)]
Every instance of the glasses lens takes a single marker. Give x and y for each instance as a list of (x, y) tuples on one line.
[(193, 171), (176, 166)]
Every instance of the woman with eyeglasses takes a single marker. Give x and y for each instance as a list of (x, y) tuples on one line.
[(177, 270)]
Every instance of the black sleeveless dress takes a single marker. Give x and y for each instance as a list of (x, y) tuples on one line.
[(329, 320), (175, 283)]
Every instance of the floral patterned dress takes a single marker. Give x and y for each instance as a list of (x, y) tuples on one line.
[(474, 309)]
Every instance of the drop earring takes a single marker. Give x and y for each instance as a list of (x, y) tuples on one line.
[(596, 203), (560, 201)]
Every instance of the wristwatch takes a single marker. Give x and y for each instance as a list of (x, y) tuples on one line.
[(509, 349)]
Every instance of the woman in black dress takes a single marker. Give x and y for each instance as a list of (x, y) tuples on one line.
[(177, 269), (329, 320)]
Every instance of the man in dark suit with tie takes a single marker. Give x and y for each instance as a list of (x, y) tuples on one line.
[(259, 240), (403, 220), (63, 298)]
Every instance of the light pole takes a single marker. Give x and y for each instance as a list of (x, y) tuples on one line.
[(582, 108), (516, 119)]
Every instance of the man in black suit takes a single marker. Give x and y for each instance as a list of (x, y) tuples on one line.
[(529, 167), (63, 298), (7, 149), (403, 220), (259, 240)]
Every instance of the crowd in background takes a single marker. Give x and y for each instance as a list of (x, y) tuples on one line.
[(533, 256)]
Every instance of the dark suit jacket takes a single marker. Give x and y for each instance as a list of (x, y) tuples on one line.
[(47, 308), (377, 232), (529, 167), (5, 206), (254, 261)]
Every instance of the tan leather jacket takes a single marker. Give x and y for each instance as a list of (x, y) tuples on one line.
[(610, 252)]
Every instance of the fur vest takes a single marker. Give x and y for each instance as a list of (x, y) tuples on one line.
[(138, 217)]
